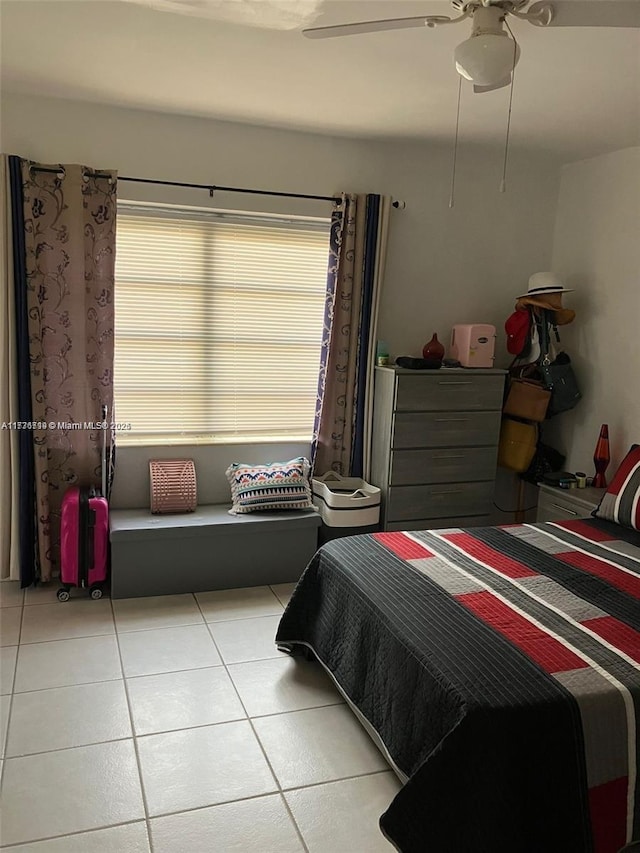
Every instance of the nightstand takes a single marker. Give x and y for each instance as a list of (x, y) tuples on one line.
[(556, 504)]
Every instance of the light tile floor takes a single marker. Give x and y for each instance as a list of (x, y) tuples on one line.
[(172, 724)]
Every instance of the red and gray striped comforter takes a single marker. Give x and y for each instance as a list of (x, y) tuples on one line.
[(500, 668)]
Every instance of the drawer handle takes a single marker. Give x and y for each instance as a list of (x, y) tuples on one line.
[(451, 420), (451, 456), (440, 382), (448, 492), (564, 508)]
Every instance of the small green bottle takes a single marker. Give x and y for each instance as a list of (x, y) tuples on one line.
[(382, 354)]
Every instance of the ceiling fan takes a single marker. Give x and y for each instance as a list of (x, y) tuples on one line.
[(489, 56)]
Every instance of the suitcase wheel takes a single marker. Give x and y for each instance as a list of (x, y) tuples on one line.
[(95, 592), (63, 594)]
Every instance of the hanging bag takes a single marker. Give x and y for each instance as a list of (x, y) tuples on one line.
[(517, 444), (527, 399), (557, 375), (561, 380)]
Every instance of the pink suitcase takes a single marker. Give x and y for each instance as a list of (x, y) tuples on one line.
[(84, 536)]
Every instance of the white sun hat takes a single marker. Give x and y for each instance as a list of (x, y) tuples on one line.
[(545, 282)]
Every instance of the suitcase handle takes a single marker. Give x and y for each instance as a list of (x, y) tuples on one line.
[(83, 537), (105, 413), (91, 534)]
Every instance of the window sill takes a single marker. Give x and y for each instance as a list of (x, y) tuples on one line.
[(183, 440)]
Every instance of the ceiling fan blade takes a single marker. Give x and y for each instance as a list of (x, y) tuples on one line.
[(591, 13), (373, 26), (499, 85), (275, 15)]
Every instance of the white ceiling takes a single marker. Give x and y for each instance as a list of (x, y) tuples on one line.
[(577, 90)]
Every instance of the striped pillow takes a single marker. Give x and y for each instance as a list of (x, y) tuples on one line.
[(621, 501), (277, 485)]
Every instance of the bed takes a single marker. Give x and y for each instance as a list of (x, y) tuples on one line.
[(498, 669)]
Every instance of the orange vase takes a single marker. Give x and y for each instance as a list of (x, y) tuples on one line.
[(434, 349), (601, 457)]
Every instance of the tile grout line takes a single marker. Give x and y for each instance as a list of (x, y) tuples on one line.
[(255, 734), (66, 748), (202, 808), (93, 829), (137, 630), (275, 595), (62, 639), (11, 695), (145, 804), (190, 624), (283, 603), (260, 796), (27, 603), (242, 618), (67, 686), (166, 731), (333, 781), (64, 686), (142, 674)]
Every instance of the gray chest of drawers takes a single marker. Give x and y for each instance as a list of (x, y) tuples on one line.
[(435, 444)]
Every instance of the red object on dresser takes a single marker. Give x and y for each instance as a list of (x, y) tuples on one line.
[(433, 349), (601, 458)]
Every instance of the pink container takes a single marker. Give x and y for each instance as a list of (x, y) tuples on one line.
[(84, 536), (473, 344)]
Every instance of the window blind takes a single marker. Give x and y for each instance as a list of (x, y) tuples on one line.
[(218, 325)]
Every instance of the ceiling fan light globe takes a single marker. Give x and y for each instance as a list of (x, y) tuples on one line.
[(463, 72), (487, 58)]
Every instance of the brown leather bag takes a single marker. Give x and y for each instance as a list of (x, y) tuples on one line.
[(527, 399)]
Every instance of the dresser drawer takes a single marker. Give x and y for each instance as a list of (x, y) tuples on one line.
[(443, 465), (559, 505), (439, 501), (445, 429), (456, 392), (438, 523)]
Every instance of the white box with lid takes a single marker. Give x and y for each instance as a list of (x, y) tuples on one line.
[(346, 501)]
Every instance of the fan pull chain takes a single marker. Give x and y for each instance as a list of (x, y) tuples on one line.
[(503, 182), (455, 146)]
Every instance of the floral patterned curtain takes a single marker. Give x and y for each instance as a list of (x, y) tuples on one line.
[(357, 252), (335, 408), (70, 218)]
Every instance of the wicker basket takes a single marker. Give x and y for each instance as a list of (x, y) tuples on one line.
[(173, 485)]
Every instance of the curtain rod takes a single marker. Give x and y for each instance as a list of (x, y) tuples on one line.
[(212, 188)]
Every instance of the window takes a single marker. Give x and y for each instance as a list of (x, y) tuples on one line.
[(218, 324)]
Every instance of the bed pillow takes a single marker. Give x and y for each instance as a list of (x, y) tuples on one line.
[(277, 485), (621, 502)]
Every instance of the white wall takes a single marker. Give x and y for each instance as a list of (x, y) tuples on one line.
[(597, 250), (444, 265)]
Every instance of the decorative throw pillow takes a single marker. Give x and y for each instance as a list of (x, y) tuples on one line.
[(277, 485), (621, 502)]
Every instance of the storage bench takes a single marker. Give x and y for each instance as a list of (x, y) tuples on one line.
[(207, 549)]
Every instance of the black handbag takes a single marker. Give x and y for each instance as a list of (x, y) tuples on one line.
[(557, 375), (560, 379)]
